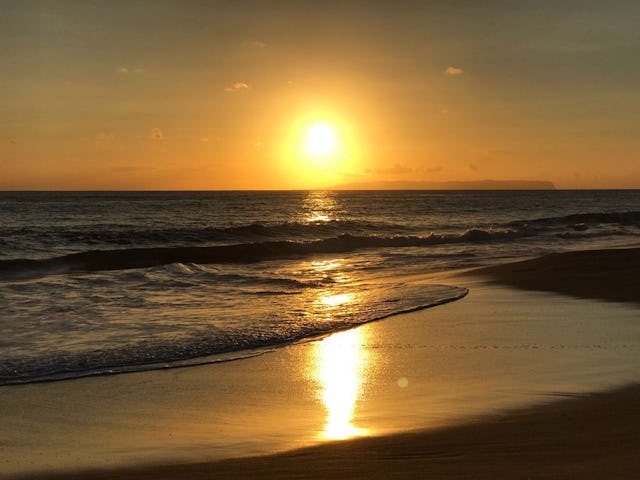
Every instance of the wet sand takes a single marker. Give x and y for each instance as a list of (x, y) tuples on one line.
[(602, 274), (593, 437), (581, 436)]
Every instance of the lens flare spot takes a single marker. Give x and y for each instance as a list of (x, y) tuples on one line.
[(403, 382)]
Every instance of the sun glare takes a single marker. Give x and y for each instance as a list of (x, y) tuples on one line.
[(321, 140), (319, 148)]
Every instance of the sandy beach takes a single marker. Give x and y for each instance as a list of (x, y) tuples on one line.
[(506, 383), (601, 274), (595, 436)]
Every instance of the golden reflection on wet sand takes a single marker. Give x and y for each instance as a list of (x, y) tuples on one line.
[(341, 366)]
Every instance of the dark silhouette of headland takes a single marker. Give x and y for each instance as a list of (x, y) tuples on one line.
[(453, 185)]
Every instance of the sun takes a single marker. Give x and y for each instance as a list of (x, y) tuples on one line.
[(319, 148), (321, 140)]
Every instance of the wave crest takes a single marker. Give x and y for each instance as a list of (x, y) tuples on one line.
[(98, 260)]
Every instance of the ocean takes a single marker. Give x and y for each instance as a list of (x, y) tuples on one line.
[(96, 283)]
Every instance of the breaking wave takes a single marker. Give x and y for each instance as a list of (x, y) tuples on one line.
[(121, 259), (203, 342), (582, 219)]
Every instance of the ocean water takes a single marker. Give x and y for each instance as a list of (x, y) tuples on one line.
[(98, 283)]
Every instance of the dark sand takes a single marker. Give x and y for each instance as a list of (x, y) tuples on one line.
[(590, 436), (599, 274)]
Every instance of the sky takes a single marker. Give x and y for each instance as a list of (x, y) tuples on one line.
[(222, 95)]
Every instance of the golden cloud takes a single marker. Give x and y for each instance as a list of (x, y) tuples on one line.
[(454, 71), (237, 86)]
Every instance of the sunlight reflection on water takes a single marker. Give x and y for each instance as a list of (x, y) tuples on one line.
[(320, 207), (341, 371), (337, 299)]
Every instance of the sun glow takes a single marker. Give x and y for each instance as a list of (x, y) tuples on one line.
[(321, 140), (321, 148)]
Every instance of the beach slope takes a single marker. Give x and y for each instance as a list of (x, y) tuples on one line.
[(599, 274)]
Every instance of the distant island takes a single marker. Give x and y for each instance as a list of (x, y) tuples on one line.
[(473, 185)]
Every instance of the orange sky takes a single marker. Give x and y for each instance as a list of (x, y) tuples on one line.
[(219, 95)]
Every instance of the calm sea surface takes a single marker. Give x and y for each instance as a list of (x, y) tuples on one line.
[(94, 283)]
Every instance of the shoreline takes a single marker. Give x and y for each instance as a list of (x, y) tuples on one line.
[(587, 436)]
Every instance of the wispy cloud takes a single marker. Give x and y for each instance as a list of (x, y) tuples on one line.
[(124, 70), (156, 134), (453, 71), (237, 86), (258, 44)]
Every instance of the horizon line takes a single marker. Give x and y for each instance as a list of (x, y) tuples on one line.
[(329, 189)]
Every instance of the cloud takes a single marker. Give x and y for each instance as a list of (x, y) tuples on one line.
[(473, 167), (237, 86), (453, 71), (156, 134), (258, 44), (123, 70)]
